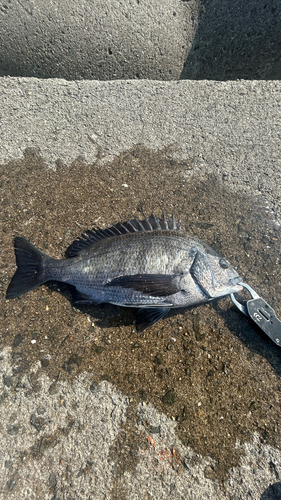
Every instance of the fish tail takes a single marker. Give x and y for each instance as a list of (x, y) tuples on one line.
[(31, 271)]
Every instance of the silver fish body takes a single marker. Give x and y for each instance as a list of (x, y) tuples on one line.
[(146, 264)]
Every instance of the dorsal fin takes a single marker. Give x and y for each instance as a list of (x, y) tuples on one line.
[(150, 223)]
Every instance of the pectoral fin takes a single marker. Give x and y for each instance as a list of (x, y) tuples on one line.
[(149, 316), (157, 285)]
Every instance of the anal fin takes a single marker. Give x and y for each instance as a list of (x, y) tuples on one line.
[(78, 299)]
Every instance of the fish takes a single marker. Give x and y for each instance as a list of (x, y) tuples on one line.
[(149, 264)]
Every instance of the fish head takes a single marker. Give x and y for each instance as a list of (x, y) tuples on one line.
[(214, 275)]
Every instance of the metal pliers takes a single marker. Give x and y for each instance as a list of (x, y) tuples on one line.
[(261, 313)]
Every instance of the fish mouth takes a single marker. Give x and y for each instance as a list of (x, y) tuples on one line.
[(235, 282)]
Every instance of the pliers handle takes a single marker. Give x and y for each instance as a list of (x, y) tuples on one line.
[(261, 313)]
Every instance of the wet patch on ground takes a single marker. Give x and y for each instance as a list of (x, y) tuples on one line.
[(205, 367)]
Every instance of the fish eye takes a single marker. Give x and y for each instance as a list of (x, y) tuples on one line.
[(223, 263)]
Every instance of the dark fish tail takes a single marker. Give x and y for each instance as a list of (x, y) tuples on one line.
[(31, 272)]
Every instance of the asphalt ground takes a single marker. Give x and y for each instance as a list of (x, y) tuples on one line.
[(191, 408)]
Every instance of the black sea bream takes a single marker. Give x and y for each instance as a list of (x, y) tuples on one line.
[(149, 264)]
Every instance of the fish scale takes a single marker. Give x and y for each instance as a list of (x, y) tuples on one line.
[(135, 253), (150, 264)]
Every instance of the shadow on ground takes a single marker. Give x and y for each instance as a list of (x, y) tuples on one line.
[(272, 493), (236, 40)]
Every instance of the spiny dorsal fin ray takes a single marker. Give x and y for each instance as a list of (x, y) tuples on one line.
[(150, 223)]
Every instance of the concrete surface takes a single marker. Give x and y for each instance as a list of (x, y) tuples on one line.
[(231, 129), (78, 462), (235, 40), (96, 40), (160, 40)]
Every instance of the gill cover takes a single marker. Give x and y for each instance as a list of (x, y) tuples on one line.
[(213, 275)]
